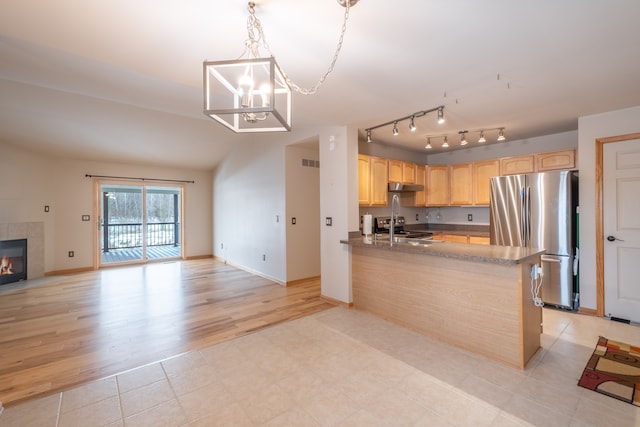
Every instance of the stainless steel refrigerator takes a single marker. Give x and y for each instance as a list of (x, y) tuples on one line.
[(538, 210)]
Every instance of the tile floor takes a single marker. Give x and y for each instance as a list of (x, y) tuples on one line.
[(344, 368)]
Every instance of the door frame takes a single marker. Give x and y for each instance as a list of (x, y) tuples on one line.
[(600, 215), (98, 182)]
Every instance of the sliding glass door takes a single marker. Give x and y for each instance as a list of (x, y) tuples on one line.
[(139, 223)]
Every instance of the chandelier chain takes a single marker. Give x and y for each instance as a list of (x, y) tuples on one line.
[(253, 44)]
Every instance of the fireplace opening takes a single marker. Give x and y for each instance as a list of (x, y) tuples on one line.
[(13, 261)]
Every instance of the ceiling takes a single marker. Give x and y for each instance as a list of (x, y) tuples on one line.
[(122, 81)]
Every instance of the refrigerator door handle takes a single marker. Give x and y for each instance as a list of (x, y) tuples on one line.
[(523, 221), (528, 234), (546, 258)]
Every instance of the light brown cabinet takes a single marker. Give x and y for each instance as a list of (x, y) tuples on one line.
[(373, 178), (517, 165), (395, 170), (409, 173), (400, 171), (555, 160), (540, 162), (461, 178), (482, 173), (461, 238), (420, 198), (437, 186), (477, 240)]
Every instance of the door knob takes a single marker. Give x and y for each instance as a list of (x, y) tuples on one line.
[(613, 239)]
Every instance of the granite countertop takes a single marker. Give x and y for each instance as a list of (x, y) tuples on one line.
[(478, 253)]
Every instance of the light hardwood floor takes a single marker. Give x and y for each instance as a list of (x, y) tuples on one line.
[(73, 329)]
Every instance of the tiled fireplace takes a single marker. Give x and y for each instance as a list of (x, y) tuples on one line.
[(16, 232)]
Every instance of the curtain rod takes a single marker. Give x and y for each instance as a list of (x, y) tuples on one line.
[(140, 179)]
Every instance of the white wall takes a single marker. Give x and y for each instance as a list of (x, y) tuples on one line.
[(61, 184), (249, 208), (590, 128), (339, 201), (303, 203)]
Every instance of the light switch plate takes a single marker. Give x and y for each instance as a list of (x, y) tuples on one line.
[(328, 221)]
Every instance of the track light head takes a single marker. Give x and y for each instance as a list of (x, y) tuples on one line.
[(395, 128), (369, 140), (445, 144), (428, 146), (501, 135), (412, 124), (482, 138), (463, 137), (440, 115)]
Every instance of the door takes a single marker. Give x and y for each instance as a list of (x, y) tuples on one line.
[(507, 211), (139, 223), (621, 229)]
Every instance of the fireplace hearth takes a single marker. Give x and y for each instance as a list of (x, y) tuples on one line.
[(13, 260)]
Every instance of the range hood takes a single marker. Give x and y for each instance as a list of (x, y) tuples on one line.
[(398, 187)]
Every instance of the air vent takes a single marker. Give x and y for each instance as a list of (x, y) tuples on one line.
[(308, 163)]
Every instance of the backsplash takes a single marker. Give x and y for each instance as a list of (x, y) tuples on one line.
[(447, 214)]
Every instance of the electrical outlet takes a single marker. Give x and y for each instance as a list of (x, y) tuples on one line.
[(46, 208), (328, 221), (71, 254), (470, 217), (293, 220), (417, 217), (86, 218)]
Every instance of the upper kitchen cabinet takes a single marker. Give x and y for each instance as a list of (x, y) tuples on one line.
[(437, 185), (461, 177), (482, 173), (400, 171), (395, 170), (554, 160), (421, 179), (517, 165), (364, 180), (373, 179), (540, 162)]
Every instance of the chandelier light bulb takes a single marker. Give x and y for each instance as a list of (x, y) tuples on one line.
[(245, 87)]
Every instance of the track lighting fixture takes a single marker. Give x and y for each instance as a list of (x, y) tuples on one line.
[(411, 118), (482, 138), (463, 137)]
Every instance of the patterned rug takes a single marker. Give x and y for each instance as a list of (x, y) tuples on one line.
[(614, 370)]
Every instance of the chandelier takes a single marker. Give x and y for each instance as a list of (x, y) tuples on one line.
[(252, 93)]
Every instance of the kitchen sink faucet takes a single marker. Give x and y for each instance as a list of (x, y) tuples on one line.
[(395, 203)]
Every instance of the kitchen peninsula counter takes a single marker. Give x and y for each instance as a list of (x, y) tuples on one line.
[(476, 297)]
